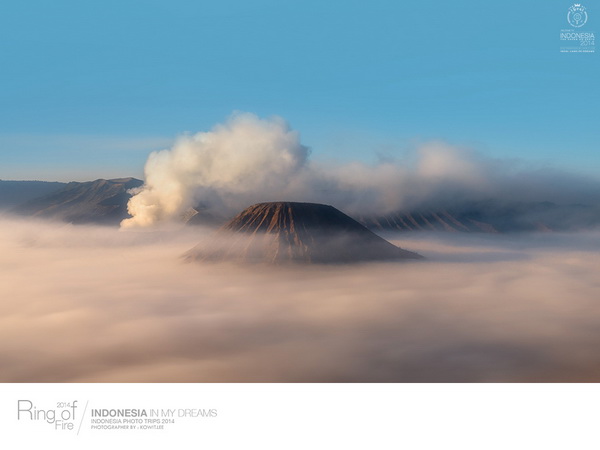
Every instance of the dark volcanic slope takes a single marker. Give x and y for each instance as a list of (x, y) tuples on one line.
[(100, 201), (303, 232)]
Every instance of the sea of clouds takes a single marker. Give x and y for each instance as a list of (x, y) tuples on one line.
[(95, 304)]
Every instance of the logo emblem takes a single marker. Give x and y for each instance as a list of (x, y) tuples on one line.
[(577, 15)]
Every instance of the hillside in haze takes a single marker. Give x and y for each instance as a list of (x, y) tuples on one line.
[(105, 202), (13, 193), (100, 201), (279, 232), (490, 216)]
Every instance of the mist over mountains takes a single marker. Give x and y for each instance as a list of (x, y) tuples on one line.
[(106, 202), (249, 160), (208, 178), (99, 202), (491, 216)]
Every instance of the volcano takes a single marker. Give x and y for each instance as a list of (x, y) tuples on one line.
[(280, 232)]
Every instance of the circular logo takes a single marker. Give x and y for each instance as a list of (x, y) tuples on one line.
[(577, 15)]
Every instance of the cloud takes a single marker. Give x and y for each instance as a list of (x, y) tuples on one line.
[(88, 304), (249, 160), (239, 159)]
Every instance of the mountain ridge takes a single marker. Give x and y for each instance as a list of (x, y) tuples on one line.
[(100, 201), (17, 192)]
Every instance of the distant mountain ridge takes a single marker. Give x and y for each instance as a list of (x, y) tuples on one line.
[(13, 193), (100, 201), (490, 216)]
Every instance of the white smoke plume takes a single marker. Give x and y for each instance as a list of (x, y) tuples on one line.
[(249, 160), (236, 159)]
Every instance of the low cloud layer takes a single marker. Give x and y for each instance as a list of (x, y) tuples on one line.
[(95, 304), (249, 160)]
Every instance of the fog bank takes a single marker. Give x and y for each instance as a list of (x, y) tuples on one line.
[(88, 304)]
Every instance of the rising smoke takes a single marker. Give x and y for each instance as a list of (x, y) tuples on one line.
[(249, 160), (231, 164)]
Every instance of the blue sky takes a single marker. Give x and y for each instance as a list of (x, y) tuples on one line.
[(88, 89)]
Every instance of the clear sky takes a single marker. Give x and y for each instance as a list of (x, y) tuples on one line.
[(88, 89)]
